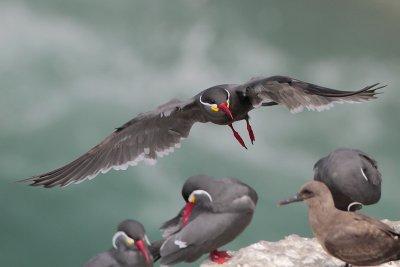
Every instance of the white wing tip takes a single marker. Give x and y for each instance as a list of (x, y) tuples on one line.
[(320, 108), (124, 166)]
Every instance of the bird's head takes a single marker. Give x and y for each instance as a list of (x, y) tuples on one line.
[(197, 182), (196, 197), (131, 235), (216, 100), (313, 193)]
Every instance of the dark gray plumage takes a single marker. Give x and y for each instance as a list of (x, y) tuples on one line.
[(218, 188), (352, 177), (215, 218), (351, 237), (156, 133), (131, 248)]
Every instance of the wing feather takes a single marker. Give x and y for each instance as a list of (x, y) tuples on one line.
[(364, 241), (145, 138), (297, 95), (199, 236)]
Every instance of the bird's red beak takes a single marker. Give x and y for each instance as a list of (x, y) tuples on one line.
[(224, 107), (141, 246), (186, 213)]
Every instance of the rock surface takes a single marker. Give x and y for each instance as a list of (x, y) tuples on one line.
[(293, 251)]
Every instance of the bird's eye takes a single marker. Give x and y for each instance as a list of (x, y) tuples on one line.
[(307, 192), (206, 102)]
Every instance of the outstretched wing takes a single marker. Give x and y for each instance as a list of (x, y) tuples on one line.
[(147, 137), (297, 95)]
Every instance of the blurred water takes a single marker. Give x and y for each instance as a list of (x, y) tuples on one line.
[(71, 71)]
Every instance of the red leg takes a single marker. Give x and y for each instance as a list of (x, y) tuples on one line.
[(250, 130), (238, 137), (219, 256)]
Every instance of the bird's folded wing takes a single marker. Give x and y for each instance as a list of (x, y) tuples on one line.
[(297, 95), (154, 249), (147, 137), (196, 238), (361, 240), (172, 226), (370, 167)]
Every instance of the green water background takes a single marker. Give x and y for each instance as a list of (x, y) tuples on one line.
[(71, 71)]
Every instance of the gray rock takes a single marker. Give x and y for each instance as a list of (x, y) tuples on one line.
[(293, 251)]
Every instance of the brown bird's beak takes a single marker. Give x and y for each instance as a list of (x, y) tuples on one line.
[(225, 108), (295, 198), (140, 245)]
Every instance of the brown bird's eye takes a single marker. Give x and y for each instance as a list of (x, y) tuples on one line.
[(307, 192)]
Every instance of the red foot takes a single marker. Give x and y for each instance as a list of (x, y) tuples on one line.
[(238, 137), (250, 130), (219, 257)]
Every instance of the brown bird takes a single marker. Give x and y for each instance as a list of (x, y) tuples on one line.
[(351, 237), (156, 133)]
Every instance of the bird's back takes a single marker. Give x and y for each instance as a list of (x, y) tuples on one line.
[(351, 176), (361, 240)]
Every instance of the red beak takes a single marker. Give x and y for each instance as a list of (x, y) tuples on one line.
[(141, 246), (186, 212), (225, 109)]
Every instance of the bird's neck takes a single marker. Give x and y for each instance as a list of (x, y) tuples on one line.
[(320, 216), (126, 256)]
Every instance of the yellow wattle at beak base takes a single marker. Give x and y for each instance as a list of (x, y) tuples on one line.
[(192, 199), (215, 108), (129, 241)]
